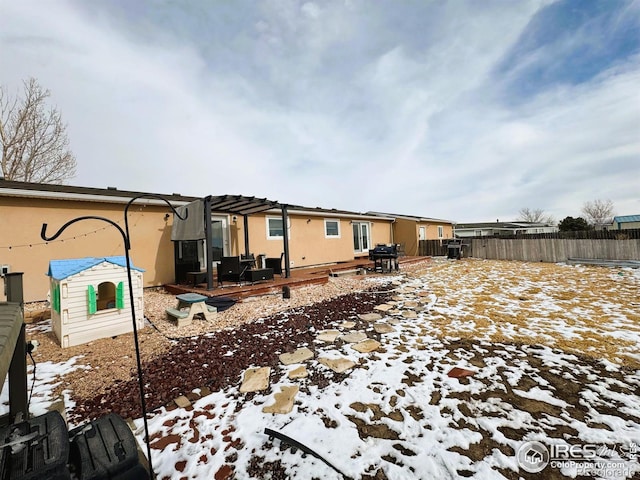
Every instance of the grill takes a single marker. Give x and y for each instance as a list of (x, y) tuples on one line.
[(385, 257)]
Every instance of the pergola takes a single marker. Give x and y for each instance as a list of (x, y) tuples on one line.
[(245, 206)]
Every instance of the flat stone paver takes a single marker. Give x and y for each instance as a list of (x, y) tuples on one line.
[(409, 314), (410, 304), (182, 402), (283, 400), (366, 346), (338, 365), (353, 337), (370, 317), (328, 335), (255, 379), (300, 355), (300, 372), (348, 324), (385, 307), (383, 328)]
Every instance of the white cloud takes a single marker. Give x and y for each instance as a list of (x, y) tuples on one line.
[(353, 106)]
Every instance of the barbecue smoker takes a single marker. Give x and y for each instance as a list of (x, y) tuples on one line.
[(385, 257)]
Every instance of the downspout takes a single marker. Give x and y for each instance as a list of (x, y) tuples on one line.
[(245, 223)]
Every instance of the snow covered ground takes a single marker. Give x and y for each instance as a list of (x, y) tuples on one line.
[(552, 354)]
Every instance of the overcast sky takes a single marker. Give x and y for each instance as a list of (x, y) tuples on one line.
[(467, 111)]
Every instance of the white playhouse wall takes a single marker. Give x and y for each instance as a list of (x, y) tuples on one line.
[(73, 325)]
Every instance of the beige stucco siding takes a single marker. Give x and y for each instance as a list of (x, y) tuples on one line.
[(21, 221), (308, 244), (626, 225)]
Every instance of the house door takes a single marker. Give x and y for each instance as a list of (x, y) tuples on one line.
[(422, 234), (219, 238), (361, 238)]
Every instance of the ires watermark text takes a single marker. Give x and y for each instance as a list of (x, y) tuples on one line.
[(587, 459)]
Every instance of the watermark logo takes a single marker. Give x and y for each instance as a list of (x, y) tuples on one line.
[(533, 457), (585, 459)]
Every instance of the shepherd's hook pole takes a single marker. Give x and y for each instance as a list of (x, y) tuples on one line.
[(127, 247)]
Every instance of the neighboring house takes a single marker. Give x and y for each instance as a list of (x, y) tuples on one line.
[(626, 222), (90, 299), (316, 236), (408, 230), (497, 229)]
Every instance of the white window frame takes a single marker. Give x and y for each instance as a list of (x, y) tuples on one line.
[(332, 220), (368, 236), (276, 237), (422, 233), (273, 237), (440, 231)]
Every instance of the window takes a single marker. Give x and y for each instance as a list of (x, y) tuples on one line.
[(440, 231), (332, 228), (274, 228), (107, 296)]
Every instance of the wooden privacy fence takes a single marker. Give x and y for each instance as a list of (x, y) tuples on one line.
[(540, 249)]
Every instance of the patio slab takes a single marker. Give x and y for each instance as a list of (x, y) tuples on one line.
[(299, 356), (255, 379)]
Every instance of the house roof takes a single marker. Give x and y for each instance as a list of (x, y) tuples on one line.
[(67, 192), (412, 217), (61, 269), (627, 218)]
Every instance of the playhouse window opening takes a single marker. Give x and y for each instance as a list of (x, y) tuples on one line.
[(106, 297)]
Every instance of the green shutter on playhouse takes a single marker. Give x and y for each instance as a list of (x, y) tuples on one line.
[(120, 296), (91, 297), (56, 298)]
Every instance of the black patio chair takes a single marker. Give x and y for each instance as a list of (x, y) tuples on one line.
[(231, 270), (276, 264)]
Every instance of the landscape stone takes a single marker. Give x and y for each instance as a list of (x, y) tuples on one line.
[(182, 402), (383, 328), (395, 311), (353, 337), (300, 355), (366, 346), (385, 307), (410, 304), (393, 321), (255, 379), (338, 365), (328, 335), (457, 372), (283, 400), (409, 314), (370, 317), (300, 372), (348, 324)]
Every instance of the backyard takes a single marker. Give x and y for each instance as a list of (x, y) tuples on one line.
[(443, 370)]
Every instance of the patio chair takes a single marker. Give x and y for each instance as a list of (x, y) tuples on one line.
[(230, 269), (276, 264)]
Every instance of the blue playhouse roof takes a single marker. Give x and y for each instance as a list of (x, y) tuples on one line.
[(61, 269), (627, 218)]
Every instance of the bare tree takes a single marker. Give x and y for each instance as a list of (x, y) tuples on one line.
[(33, 138), (535, 216), (598, 212)]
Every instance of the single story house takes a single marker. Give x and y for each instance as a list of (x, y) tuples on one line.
[(317, 236), (626, 222), (497, 229), (408, 230)]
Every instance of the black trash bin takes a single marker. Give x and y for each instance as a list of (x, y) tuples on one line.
[(106, 449), (35, 449)]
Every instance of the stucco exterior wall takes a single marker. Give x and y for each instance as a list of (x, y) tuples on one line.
[(21, 221), (626, 225), (308, 244), (407, 233)]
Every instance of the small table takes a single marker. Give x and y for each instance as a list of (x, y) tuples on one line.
[(196, 304), (196, 277), (259, 274)]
